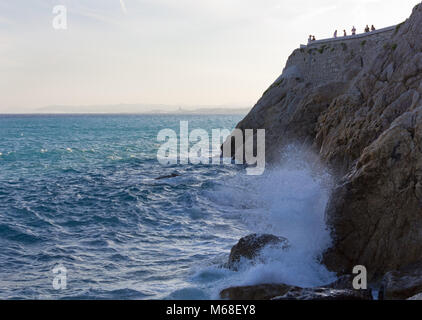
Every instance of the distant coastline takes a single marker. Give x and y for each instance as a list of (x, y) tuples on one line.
[(236, 112), (135, 109)]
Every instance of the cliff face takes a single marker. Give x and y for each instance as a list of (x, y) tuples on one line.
[(358, 103)]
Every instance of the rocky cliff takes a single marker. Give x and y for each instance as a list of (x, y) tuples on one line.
[(358, 104)]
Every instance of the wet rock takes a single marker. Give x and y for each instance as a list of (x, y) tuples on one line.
[(258, 292), (402, 284), (249, 247), (173, 175), (416, 297), (343, 282), (325, 294), (339, 290)]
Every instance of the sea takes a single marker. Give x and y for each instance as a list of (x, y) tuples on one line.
[(83, 215)]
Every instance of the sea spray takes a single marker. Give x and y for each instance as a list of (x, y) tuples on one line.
[(289, 200)]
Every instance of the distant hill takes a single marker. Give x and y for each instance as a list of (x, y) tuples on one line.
[(144, 109)]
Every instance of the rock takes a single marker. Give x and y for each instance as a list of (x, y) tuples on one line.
[(346, 283), (343, 282), (258, 292), (325, 294), (290, 72), (402, 284), (416, 297), (249, 247), (375, 211), (173, 175), (338, 290), (359, 107)]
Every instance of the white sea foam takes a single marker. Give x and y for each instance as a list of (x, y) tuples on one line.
[(287, 201)]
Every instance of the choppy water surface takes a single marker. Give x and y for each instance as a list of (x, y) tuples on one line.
[(80, 191)]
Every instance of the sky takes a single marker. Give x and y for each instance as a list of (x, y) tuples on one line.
[(163, 52)]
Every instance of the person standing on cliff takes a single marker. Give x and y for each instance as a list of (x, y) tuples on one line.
[(335, 34), (309, 39), (373, 28), (313, 38), (345, 33), (353, 31), (367, 28)]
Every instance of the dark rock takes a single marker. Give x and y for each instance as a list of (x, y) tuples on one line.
[(339, 290), (402, 284), (249, 247), (346, 283), (258, 292), (173, 175), (325, 294), (343, 282)]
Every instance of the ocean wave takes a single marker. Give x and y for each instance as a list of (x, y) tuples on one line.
[(17, 234), (122, 234), (286, 201)]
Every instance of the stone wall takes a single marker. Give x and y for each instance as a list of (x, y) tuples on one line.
[(325, 60)]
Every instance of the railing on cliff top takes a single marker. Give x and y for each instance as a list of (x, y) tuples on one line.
[(351, 37)]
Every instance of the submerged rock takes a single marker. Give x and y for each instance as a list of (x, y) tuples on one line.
[(402, 284), (258, 292), (249, 247), (173, 175)]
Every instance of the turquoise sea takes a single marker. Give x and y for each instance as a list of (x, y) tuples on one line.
[(80, 191)]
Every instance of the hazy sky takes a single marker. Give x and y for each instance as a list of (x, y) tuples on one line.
[(187, 52)]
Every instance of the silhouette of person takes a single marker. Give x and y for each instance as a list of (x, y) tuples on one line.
[(345, 33), (353, 30), (367, 28), (313, 38), (335, 34), (309, 39), (373, 28)]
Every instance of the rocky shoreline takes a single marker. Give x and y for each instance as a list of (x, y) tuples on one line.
[(402, 284), (365, 124)]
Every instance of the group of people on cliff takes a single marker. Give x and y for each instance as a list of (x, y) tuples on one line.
[(367, 29)]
